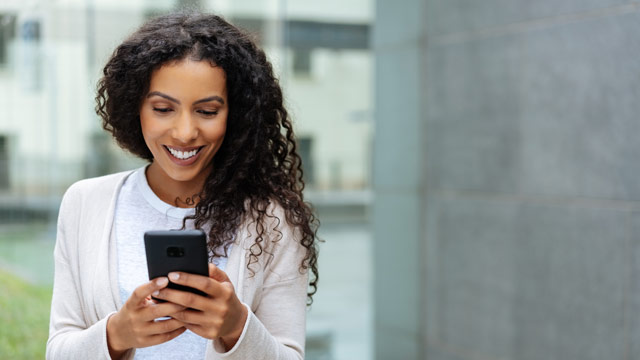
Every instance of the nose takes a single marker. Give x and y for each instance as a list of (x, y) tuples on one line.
[(186, 128)]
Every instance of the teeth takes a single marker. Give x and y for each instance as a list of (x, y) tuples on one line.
[(182, 155)]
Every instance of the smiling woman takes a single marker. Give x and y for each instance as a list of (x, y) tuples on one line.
[(198, 99), (184, 120)]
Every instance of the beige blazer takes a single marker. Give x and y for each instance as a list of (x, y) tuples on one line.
[(85, 289)]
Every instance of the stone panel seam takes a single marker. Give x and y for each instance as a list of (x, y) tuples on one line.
[(627, 295), (559, 200)]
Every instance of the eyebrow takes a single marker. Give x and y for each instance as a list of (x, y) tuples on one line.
[(210, 98), (207, 99)]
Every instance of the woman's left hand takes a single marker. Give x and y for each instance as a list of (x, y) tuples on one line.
[(220, 315)]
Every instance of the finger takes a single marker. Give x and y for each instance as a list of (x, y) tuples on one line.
[(196, 317), (140, 294), (164, 326), (185, 298), (198, 330), (159, 310), (217, 274), (162, 338), (202, 283)]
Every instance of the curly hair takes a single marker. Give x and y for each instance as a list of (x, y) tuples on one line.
[(256, 164)]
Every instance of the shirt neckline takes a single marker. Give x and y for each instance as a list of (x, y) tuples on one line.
[(140, 179)]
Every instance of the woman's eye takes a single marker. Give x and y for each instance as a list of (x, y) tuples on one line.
[(208, 113), (162, 110)]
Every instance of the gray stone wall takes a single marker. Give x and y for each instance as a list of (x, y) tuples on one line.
[(507, 179)]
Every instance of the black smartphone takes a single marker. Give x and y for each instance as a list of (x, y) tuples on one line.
[(177, 250)]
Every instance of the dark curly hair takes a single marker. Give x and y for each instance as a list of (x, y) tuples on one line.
[(256, 164)]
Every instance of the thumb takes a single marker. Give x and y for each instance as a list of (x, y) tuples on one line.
[(139, 296), (217, 274)]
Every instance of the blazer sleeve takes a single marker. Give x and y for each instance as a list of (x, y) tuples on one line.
[(70, 334), (275, 330)]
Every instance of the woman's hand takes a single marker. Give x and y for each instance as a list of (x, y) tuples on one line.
[(133, 326), (220, 315)]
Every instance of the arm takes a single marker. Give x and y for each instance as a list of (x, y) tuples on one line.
[(275, 331), (70, 336), (76, 330), (276, 327)]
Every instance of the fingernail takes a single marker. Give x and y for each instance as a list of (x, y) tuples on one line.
[(155, 293), (162, 281), (174, 276)]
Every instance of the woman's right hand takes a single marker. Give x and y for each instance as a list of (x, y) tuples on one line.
[(133, 326)]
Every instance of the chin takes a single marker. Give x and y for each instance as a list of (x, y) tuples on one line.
[(182, 176)]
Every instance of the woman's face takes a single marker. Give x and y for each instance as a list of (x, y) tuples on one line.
[(184, 120)]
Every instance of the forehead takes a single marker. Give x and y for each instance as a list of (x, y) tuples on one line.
[(189, 77)]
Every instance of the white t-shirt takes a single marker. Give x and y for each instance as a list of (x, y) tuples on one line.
[(139, 209)]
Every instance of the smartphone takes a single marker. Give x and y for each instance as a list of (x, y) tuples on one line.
[(177, 250)]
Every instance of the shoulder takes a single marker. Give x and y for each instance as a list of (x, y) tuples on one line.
[(101, 183), (278, 237), (95, 191), (85, 207), (273, 218), (97, 184)]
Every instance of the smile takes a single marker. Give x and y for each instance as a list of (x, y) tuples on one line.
[(183, 155)]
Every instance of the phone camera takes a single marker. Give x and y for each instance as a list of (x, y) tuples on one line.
[(175, 251)]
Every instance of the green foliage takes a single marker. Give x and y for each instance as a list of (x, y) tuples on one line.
[(24, 318)]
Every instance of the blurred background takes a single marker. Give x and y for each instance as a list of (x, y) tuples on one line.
[(473, 165), (51, 56)]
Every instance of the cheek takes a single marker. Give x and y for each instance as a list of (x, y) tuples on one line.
[(149, 131), (144, 123), (149, 125), (216, 132)]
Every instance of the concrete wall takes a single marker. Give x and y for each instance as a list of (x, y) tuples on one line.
[(506, 216)]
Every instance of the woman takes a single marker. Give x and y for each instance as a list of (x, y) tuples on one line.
[(195, 96)]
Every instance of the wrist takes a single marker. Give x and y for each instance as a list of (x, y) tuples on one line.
[(116, 349), (230, 340)]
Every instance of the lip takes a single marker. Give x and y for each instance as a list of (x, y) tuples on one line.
[(183, 162)]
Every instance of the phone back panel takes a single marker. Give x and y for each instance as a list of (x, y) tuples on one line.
[(176, 250)]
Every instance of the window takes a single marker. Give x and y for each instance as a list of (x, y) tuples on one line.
[(7, 33)]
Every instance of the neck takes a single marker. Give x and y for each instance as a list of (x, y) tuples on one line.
[(183, 194)]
